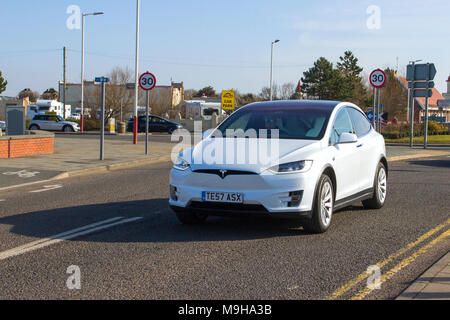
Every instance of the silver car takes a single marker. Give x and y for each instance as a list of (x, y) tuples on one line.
[(51, 122)]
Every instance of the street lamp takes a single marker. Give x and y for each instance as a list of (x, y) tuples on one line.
[(271, 70), (82, 64), (136, 75)]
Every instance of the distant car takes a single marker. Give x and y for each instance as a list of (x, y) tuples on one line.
[(51, 122), (155, 124), (75, 116), (3, 125)]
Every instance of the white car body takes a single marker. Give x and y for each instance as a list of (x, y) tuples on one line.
[(351, 166)]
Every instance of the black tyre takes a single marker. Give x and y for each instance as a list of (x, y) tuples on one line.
[(171, 131), (34, 127), (380, 189), (190, 217), (323, 207), (67, 129)]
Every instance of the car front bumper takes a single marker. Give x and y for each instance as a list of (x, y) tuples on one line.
[(266, 193)]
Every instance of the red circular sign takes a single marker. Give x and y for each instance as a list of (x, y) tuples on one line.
[(147, 81), (377, 78)]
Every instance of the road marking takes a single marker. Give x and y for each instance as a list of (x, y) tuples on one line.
[(346, 287), (22, 174), (2, 200), (385, 277), (75, 233), (47, 188)]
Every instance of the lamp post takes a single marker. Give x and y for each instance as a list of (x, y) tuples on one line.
[(82, 64), (271, 70), (136, 75)]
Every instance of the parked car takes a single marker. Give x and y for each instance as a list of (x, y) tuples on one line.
[(3, 125), (156, 124), (329, 157), (53, 123)]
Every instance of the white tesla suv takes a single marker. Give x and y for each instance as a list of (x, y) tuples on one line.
[(303, 159)]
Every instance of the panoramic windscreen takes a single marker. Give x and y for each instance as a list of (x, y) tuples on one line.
[(308, 123)]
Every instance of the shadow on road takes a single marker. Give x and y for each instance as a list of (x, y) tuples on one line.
[(432, 163), (159, 224)]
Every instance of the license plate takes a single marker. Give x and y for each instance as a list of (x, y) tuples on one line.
[(225, 197)]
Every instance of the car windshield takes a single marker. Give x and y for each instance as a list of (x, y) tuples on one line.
[(307, 123)]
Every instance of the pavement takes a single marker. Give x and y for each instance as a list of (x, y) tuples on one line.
[(118, 230), (76, 155), (434, 284)]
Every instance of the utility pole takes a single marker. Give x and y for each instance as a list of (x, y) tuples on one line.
[(64, 85)]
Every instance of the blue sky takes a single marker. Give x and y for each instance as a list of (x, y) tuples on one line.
[(225, 44)]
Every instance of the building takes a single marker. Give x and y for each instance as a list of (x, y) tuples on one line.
[(435, 112), (11, 101), (173, 92)]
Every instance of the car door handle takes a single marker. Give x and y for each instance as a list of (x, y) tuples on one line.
[(360, 145)]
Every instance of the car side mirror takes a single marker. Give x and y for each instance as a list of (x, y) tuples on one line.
[(346, 138), (207, 133)]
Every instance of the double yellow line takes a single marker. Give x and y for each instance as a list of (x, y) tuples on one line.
[(365, 292)]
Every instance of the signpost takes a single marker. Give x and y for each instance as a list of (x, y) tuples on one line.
[(228, 100), (377, 80), (420, 81), (102, 81), (147, 82)]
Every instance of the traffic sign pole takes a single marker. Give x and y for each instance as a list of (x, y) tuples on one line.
[(425, 142), (374, 107), (378, 111), (147, 82), (147, 102), (413, 98), (102, 124)]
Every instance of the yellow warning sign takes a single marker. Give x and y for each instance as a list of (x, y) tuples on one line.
[(228, 100)]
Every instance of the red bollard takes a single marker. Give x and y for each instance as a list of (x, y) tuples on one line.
[(135, 130), (81, 123)]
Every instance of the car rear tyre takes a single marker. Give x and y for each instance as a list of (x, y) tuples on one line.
[(323, 206), (191, 218), (380, 189), (68, 129)]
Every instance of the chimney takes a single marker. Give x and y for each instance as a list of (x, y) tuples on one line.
[(448, 85)]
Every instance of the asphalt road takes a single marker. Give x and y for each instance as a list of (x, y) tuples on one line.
[(147, 254)]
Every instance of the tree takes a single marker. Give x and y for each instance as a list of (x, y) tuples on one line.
[(118, 98), (206, 91), (353, 87), (265, 93), (50, 94), (32, 95), (3, 83), (394, 96), (287, 90), (323, 82)]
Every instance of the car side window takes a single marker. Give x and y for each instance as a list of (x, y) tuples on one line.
[(361, 124), (341, 124)]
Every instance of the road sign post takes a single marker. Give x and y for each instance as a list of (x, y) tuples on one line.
[(420, 78), (102, 81), (377, 80), (147, 82)]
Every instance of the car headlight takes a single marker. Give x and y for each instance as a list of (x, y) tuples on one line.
[(292, 167), (181, 164)]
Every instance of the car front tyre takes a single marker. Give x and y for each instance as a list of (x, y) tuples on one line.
[(380, 189), (68, 129), (34, 127), (190, 217), (323, 207)]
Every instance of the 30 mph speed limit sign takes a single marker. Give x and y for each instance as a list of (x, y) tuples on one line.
[(147, 81), (378, 78)]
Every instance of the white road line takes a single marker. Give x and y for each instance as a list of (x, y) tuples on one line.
[(75, 233), (47, 188), (2, 200)]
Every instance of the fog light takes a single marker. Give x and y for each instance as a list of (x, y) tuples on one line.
[(173, 193), (296, 199)]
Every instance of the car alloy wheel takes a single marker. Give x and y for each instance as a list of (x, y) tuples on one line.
[(382, 185), (68, 129), (326, 208)]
